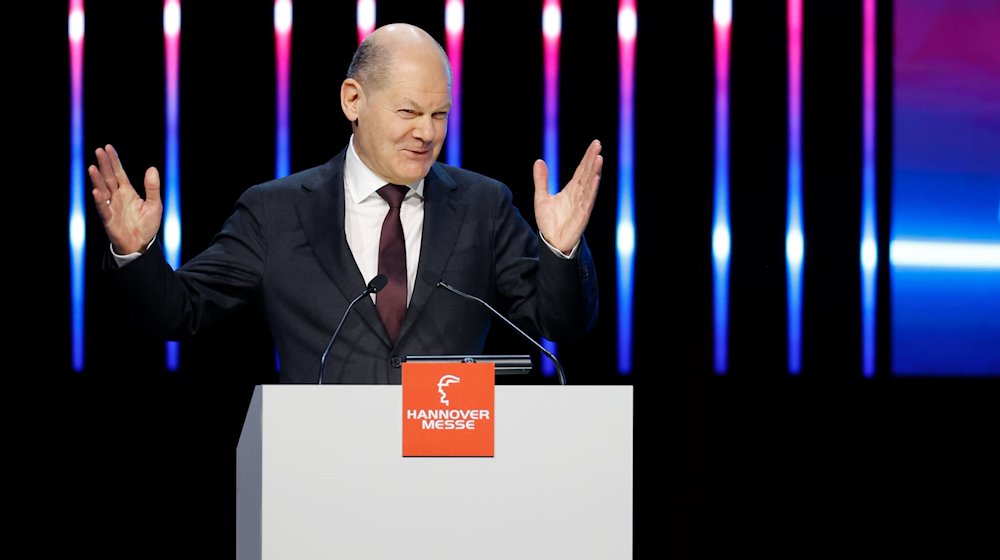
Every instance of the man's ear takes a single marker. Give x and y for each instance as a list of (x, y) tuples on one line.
[(350, 97)]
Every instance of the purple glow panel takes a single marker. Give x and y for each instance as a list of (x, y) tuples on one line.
[(625, 228), (551, 35), (721, 240), (172, 206), (454, 25), (944, 250), (77, 213), (794, 240)]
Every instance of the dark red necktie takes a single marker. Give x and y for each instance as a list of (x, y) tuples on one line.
[(391, 300)]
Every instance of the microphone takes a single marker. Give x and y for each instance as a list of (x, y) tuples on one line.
[(373, 287), (559, 369)]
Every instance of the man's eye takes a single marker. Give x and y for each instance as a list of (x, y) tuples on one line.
[(407, 113), (441, 115)]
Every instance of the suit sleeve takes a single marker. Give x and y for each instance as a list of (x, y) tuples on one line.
[(544, 294), (223, 278)]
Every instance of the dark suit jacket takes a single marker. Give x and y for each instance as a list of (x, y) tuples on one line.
[(284, 247)]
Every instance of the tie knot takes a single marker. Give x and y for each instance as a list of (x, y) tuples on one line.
[(393, 194)]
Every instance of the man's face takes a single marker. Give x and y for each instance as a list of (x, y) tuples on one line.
[(401, 126)]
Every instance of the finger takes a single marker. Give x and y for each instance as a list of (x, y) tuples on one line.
[(595, 176), (540, 172), (101, 192), (107, 170), (152, 183), (101, 205), (586, 186), (116, 166), (592, 177), (590, 186), (587, 164), (585, 192), (582, 172), (598, 160)]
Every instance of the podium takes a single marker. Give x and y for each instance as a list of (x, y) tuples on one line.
[(320, 474)]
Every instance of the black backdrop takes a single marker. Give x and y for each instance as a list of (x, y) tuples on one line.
[(125, 457)]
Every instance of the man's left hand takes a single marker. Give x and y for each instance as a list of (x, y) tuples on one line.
[(562, 217)]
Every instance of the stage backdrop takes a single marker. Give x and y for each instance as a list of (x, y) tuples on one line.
[(767, 163)]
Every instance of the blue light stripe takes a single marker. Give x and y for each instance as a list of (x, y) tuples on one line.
[(794, 240), (721, 236), (172, 206), (282, 15), (869, 239), (454, 24), (77, 215), (551, 34), (625, 228)]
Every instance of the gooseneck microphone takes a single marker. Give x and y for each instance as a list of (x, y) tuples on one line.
[(373, 287), (559, 369)]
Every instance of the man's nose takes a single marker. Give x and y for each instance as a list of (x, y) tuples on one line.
[(424, 128)]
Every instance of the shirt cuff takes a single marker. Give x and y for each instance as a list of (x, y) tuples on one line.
[(122, 260), (572, 254)]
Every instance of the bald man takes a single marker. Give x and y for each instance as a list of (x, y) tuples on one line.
[(307, 245)]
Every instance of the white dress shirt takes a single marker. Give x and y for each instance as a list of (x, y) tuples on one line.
[(364, 212)]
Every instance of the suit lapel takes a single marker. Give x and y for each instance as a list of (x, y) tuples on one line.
[(444, 210), (322, 217)]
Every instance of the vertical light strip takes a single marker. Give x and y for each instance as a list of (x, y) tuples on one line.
[(282, 70), (794, 240), (869, 239), (366, 18), (282, 110), (625, 229), (172, 208), (721, 241), (77, 214), (454, 27), (551, 35)]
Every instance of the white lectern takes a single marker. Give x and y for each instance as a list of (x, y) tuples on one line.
[(320, 475)]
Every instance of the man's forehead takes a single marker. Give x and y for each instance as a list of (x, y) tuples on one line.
[(416, 97)]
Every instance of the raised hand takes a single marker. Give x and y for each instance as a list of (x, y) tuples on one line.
[(562, 217), (130, 222)]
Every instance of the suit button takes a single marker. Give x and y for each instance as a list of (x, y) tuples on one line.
[(396, 361)]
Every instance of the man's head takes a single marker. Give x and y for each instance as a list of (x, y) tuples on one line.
[(397, 95)]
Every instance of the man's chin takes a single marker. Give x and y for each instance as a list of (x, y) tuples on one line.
[(413, 175)]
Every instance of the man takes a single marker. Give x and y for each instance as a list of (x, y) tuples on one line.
[(306, 245)]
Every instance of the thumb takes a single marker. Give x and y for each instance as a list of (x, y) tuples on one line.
[(540, 172), (152, 183)]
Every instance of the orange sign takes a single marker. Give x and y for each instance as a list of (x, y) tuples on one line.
[(448, 409)]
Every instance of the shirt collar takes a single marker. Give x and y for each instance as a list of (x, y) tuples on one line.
[(362, 182)]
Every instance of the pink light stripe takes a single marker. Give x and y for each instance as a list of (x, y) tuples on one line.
[(454, 38)]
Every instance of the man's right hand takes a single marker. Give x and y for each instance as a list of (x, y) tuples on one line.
[(130, 222)]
